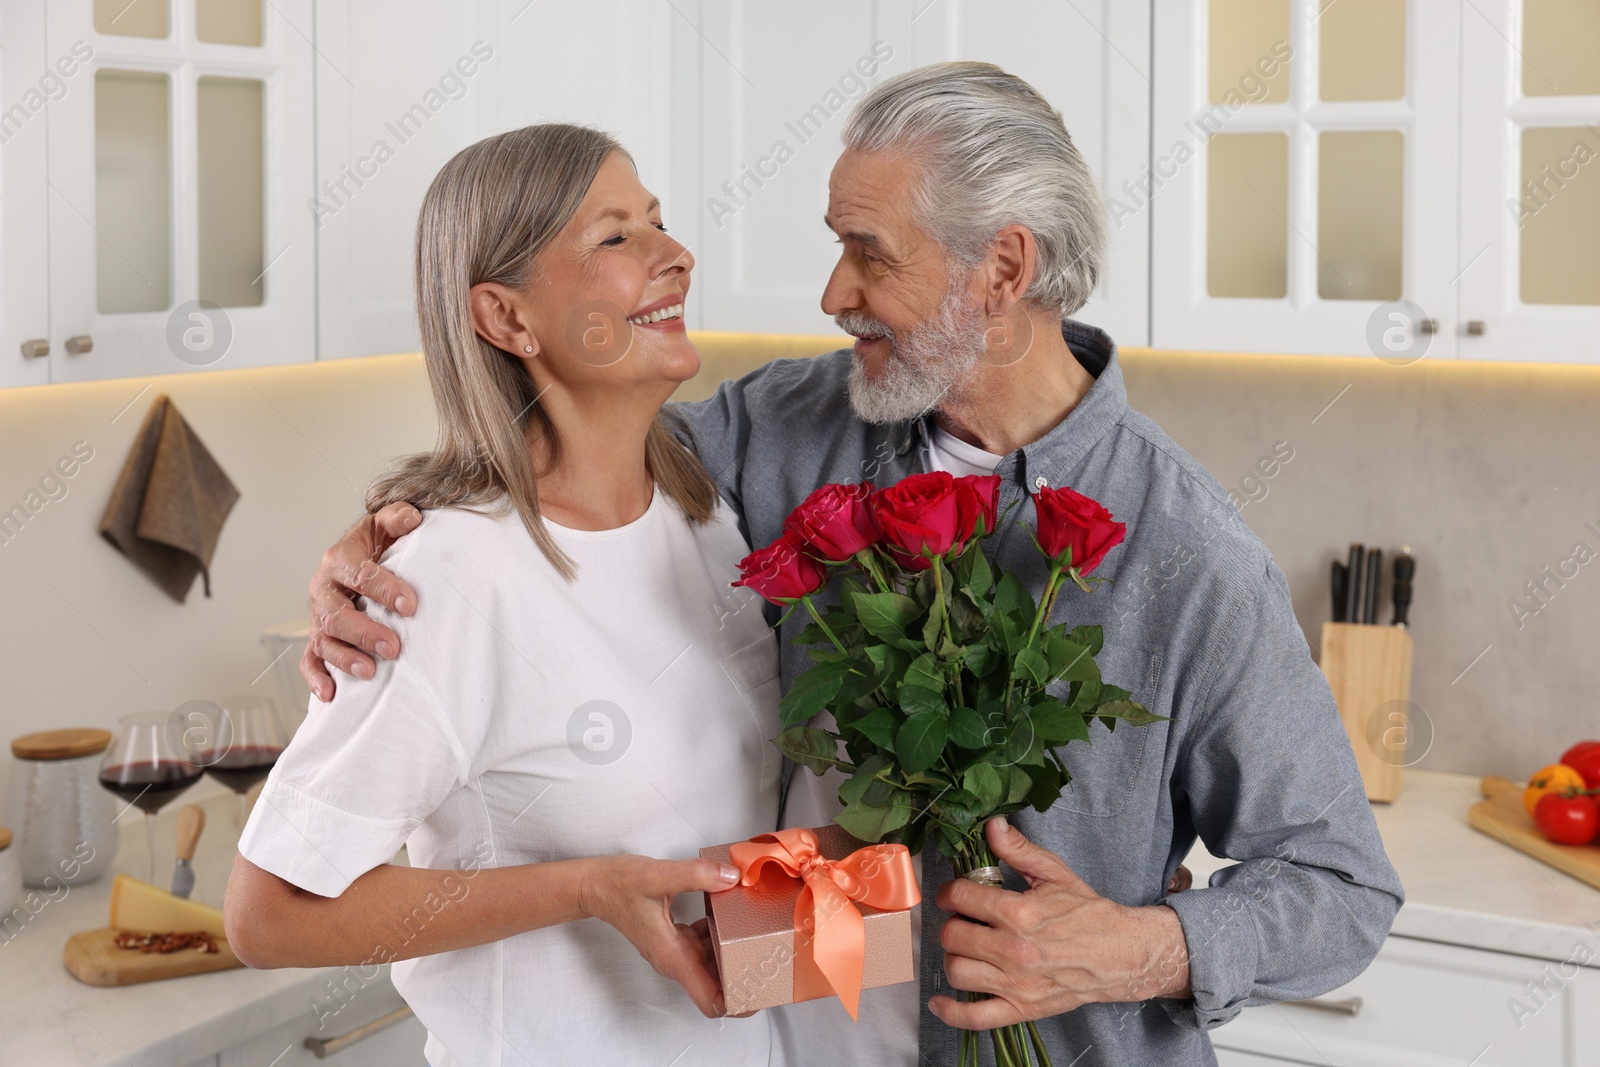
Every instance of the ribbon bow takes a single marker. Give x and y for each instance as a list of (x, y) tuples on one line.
[(830, 934)]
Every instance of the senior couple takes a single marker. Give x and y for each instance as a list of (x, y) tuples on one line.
[(563, 680)]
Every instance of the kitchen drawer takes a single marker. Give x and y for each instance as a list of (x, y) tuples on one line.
[(1424, 1004), (397, 1045)]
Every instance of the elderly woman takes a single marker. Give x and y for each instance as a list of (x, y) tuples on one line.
[(585, 689)]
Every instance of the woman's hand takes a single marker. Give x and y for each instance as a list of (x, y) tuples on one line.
[(634, 895), (340, 633)]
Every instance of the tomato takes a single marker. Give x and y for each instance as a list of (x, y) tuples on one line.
[(1567, 820), (1551, 779), (1584, 757)]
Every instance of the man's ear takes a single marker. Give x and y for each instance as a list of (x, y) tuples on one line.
[(499, 318), (1013, 261)]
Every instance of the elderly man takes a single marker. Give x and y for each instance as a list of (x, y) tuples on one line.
[(970, 228)]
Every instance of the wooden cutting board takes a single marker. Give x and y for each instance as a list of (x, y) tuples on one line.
[(1503, 818), (94, 958)]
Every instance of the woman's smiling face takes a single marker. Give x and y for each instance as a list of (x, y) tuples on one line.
[(609, 290)]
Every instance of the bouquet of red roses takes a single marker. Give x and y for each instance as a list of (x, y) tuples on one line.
[(935, 668)]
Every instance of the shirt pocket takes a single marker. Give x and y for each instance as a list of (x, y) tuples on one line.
[(753, 672), (1111, 765)]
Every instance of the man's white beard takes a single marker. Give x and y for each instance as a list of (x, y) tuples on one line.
[(924, 364)]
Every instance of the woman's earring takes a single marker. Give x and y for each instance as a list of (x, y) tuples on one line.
[(527, 348)]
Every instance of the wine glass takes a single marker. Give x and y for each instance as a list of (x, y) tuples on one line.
[(146, 766), (246, 741)]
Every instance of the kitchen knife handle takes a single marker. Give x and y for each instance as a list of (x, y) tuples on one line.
[(1374, 572), (1339, 582), (191, 820), (1358, 555), (1405, 568)]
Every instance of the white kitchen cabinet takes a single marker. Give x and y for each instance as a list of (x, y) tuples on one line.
[(1423, 1004), (180, 162), (397, 1044), (1411, 180), (28, 82), (758, 132)]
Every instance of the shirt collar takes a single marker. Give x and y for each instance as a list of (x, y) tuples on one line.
[(1061, 449)]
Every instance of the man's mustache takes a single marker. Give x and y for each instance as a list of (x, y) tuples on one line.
[(858, 325)]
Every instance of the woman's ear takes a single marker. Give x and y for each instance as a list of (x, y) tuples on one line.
[(498, 316)]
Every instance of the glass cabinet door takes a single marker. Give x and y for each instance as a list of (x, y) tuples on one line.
[(1530, 181), (1303, 175), (180, 164), (29, 84)]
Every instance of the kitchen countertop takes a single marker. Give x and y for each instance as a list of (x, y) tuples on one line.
[(1464, 887), (49, 1018)]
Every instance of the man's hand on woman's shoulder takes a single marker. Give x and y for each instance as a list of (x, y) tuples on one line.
[(341, 635)]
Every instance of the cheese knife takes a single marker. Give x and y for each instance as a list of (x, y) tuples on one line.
[(191, 820)]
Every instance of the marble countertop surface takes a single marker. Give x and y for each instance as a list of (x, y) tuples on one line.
[(49, 1018), (1464, 887)]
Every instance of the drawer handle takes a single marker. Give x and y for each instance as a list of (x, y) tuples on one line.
[(323, 1047), (1348, 1006)]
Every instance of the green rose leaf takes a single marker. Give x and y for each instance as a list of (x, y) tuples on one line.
[(886, 616), (983, 782), (1046, 785), (1057, 724), (1128, 711), (933, 626), (917, 700), (921, 740), (968, 729), (1030, 664), (809, 747), (866, 774), (1070, 660), (871, 824), (879, 727), (1018, 785), (976, 575), (1091, 637), (924, 671), (811, 692)]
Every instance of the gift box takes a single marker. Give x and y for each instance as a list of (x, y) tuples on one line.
[(816, 913)]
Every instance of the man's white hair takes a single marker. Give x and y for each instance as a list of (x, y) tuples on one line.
[(994, 154)]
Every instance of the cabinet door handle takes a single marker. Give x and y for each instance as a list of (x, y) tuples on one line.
[(37, 348), (1347, 1006), (1476, 328), (80, 344), (323, 1047)]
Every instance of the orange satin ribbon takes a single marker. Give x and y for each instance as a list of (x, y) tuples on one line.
[(830, 934)]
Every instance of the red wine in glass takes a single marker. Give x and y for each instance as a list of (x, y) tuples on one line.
[(148, 786), (146, 766), (242, 767)]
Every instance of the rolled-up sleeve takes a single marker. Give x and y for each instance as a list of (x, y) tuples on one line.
[(1269, 779)]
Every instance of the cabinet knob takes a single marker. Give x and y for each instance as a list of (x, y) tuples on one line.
[(1475, 327), (1428, 326), (80, 344), (37, 348)]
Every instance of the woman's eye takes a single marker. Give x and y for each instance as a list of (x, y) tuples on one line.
[(662, 227), (614, 241)]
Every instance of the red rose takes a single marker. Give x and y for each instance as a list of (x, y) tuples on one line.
[(835, 521), (977, 500), (782, 572), (1070, 521), (919, 517)]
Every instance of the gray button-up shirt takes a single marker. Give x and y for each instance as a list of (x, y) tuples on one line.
[(1198, 625)]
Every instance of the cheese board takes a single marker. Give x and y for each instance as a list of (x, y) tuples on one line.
[(93, 957), (1502, 817)]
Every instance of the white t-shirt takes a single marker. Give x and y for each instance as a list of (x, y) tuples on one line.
[(819, 1031), (532, 719)]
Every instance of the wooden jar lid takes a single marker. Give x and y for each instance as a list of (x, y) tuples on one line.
[(5, 839), (61, 744)]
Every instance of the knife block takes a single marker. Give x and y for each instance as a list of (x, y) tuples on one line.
[(1368, 667)]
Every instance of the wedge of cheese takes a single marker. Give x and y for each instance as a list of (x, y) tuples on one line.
[(137, 905)]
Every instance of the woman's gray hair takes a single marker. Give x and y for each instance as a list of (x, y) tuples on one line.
[(994, 154)]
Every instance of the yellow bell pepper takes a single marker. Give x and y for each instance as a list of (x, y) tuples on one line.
[(1551, 779)]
